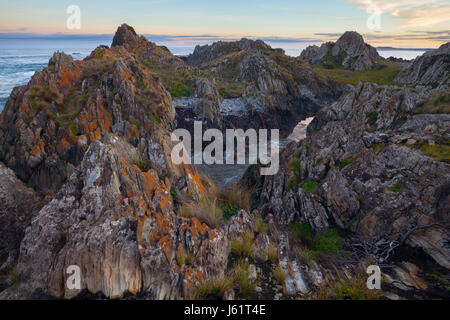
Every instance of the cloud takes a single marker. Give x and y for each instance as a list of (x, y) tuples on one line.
[(412, 13)]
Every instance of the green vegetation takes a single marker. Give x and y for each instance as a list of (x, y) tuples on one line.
[(438, 152), (157, 119), (73, 127), (302, 231), (184, 88), (310, 186), (228, 90), (436, 105), (229, 210), (292, 184), (396, 188), (345, 162), (260, 226), (327, 242), (372, 115), (174, 194), (134, 122), (142, 163), (235, 199), (384, 75), (354, 289), (243, 246), (378, 147)]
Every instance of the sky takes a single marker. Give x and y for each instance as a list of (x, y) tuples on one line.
[(400, 23)]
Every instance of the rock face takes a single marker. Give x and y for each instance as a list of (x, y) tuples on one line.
[(18, 204), (432, 68), (372, 167), (94, 135), (276, 91), (47, 125), (208, 105), (350, 52), (118, 225)]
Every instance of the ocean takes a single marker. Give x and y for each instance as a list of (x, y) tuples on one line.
[(20, 58)]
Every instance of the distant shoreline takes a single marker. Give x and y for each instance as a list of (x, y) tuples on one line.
[(404, 49)]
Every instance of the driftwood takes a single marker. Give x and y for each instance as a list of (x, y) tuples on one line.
[(380, 250)]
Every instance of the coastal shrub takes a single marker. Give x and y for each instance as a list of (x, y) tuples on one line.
[(229, 210)]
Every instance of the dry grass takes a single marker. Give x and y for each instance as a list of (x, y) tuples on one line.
[(280, 275), (260, 225), (241, 277), (237, 196), (212, 288), (184, 258), (354, 289), (243, 246), (206, 210), (269, 253)]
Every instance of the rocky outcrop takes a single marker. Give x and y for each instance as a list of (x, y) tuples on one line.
[(47, 125), (350, 51), (432, 68), (18, 204), (366, 165), (118, 225), (276, 91), (208, 105)]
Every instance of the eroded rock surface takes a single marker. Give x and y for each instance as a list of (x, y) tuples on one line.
[(349, 51)]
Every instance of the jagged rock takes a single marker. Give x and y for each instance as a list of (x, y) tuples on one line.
[(118, 225), (18, 204), (47, 125), (270, 89), (432, 68), (363, 175), (208, 105), (350, 51)]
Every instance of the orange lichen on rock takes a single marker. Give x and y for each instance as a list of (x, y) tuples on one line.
[(193, 276)]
